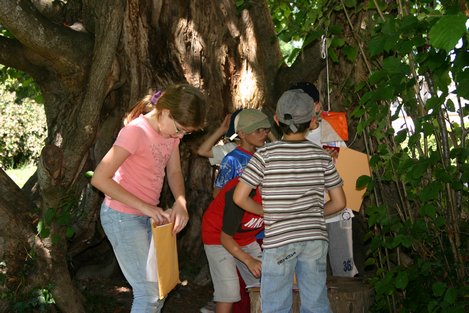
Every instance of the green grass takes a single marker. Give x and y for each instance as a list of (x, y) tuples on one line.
[(21, 175)]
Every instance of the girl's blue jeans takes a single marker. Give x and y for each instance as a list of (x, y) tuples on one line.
[(130, 237), (306, 259)]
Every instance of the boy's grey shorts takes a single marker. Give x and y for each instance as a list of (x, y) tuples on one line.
[(223, 271)]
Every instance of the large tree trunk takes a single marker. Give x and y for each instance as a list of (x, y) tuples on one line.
[(91, 76)]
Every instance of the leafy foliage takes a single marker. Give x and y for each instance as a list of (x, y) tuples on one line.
[(419, 69), (416, 55), (19, 83), (23, 130), (39, 300)]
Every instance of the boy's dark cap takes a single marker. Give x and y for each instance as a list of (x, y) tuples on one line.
[(309, 88), (231, 128)]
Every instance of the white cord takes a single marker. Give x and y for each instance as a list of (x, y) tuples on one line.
[(324, 56)]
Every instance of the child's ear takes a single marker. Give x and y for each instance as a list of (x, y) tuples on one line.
[(317, 107), (313, 124), (276, 119)]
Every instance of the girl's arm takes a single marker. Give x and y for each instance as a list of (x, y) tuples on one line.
[(254, 265), (337, 201), (178, 214), (102, 180), (205, 149), (242, 199)]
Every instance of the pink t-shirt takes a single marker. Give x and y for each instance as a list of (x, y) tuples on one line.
[(142, 173)]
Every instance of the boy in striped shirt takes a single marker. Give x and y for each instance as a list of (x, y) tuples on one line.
[(293, 175)]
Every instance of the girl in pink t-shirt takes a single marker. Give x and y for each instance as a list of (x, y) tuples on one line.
[(131, 176)]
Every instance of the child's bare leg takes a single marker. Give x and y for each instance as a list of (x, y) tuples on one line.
[(223, 307)]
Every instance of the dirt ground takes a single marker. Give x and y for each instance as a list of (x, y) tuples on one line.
[(114, 296)]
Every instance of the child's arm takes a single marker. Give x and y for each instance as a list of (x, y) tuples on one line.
[(242, 199), (205, 148), (179, 215), (337, 201), (254, 265), (102, 180)]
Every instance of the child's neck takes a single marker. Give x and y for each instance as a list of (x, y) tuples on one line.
[(248, 147), (294, 137)]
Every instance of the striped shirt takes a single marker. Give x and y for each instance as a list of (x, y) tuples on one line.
[(293, 176)]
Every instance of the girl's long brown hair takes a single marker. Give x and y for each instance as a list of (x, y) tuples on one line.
[(185, 103)]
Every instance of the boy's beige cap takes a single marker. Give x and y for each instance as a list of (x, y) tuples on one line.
[(248, 120)]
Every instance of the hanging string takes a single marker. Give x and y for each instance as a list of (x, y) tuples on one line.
[(324, 56)]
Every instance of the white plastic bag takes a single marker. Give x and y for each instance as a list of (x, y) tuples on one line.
[(152, 270)]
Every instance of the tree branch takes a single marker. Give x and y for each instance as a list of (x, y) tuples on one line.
[(13, 54), (63, 47), (307, 67)]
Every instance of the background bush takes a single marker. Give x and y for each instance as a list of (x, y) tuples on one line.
[(23, 130)]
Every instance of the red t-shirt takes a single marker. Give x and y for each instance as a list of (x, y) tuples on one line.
[(224, 214)]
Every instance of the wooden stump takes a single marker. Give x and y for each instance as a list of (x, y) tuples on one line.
[(346, 295), (349, 295)]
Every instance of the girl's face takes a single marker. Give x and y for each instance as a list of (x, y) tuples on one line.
[(169, 127)]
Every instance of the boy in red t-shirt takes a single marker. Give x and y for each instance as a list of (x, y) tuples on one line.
[(229, 237)]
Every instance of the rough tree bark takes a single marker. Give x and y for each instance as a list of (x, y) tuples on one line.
[(92, 61)]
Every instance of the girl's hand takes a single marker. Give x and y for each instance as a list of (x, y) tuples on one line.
[(178, 216), (157, 214)]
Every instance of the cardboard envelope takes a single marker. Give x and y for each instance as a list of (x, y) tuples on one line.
[(352, 164), (167, 264)]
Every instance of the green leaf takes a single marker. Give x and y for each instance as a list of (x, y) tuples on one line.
[(350, 3), (428, 129), (430, 192), (49, 215), (69, 232), (463, 85), (447, 31), (408, 24), (333, 56), (392, 65), (350, 53), (401, 136), (450, 296), (376, 45), (89, 174), (370, 261), (358, 112), (337, 42), (45, 232), (433, 103), (55, 239), (418, 170), (376, 77), (40, 226), (389, 26), (428, 210), (362, 181), (402, 280), (438, 289), (64, 218)]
